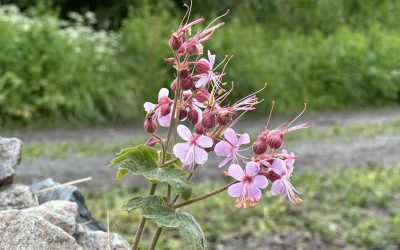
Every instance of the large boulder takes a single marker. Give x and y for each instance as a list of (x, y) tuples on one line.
[(67, 193), (25, 231), (99, 240), (16, 196), (10, 156), (59, 213)]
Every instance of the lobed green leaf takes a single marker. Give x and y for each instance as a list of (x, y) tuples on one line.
[(142, 202)]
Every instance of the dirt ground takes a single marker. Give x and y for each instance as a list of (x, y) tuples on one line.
[(312, 154)]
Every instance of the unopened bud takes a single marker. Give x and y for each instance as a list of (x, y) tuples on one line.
[(151, 142), (182, 114), (170, 60), (173, 85), (203, 66), (208, 120), (174, 42), (186, 83), (192, 49), (224, 119), (273, 176), (150, 125), (165, 108), (202, 95), (193, 116), (260, 146), (200, 129), (275, 140)]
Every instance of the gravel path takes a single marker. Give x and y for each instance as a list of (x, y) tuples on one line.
[(312, 154)]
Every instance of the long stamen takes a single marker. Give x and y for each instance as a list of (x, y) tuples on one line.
[(213, 21), (304, 109), (270, 113)]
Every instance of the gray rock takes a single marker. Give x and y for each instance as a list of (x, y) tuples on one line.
[(99, 240), (24, 231), (59, 213), (10, 156), (68, 193), (16, 196)]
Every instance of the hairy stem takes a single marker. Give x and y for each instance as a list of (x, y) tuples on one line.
[(205, 196), (155, 238), (142, 223)]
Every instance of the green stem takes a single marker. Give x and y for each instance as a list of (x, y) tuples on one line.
[(205, 196), (142, 223), (155, 238)]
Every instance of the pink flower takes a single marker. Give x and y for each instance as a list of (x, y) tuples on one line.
[(192, 151), (163, 101), (282, 171), (250, 183), (230, 147), (209, 76)]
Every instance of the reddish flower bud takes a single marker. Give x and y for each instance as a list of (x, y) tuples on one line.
[(208, 120), (192, 49), (174, 42), (260, 146), (202, 95), (184, 73), (203, 66), (224, 119), (182, 114), (182, 49), (165, 109), (272, 176), (151, 142), (170, 60), (150, 125), (200, 129), (173, 85), (186, 83), (275, 140), (193, 116)]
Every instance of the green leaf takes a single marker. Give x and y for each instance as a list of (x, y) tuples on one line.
[(142, 202), (141, 149), (121, 173), (187, 225), (170, 175)]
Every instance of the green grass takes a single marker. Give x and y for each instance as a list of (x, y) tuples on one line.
[(357, 206), (63, 149)]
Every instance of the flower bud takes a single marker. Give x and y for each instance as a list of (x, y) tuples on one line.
[(174, 42), (260, 146), (272, 176), (182, 114), (203, 66), (200, 129), (193, 116), (186, 83), (173, 85), (208, 120), (192, 49), (165, 108), (151, 142), (184, 73), (202, 95), (275, 140), (224, 119), (182, 49), (170, 60), (150, 125)]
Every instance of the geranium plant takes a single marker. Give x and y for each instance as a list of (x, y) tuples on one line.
[(198, 122)]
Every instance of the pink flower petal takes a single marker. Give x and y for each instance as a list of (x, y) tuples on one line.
[(200, 155), (164, 120), (252, 168), (230, 136), (204, 141), (184, 132), (163, 92), (276, 187), (260, 181), (236, 172), (149, 106), (223, 148), (202, 81), (236, 189), (279, 166), (189, 157), (254, 193), (211, 59), (244, 139), (224, 162), (199, 112), (180, 150)]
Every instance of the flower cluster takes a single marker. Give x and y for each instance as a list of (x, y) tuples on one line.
[(199, 100)]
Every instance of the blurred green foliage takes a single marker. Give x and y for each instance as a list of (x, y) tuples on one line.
[(331, 54)]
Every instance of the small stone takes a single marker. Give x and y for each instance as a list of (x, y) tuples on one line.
[(59, 213), (16, 196), (99, 240), (24, 231), (10, 156)]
